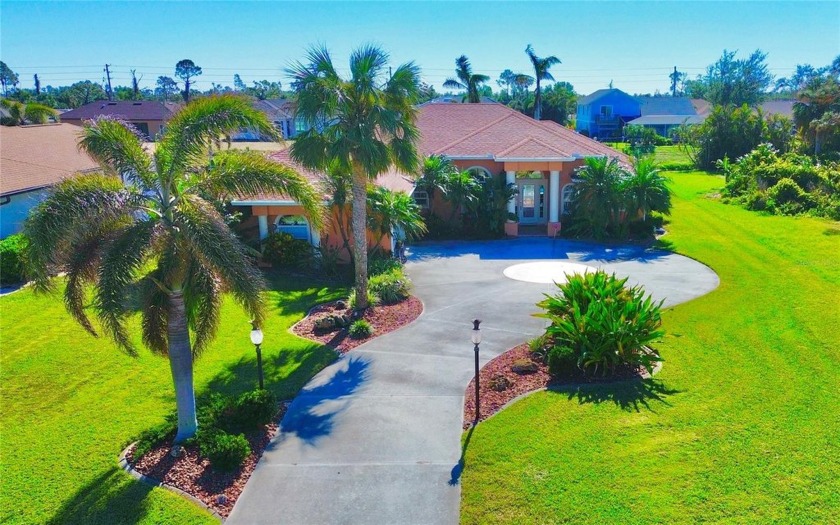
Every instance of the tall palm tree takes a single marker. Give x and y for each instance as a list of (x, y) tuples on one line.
[(393, 210), (158, 235), (20, 114), (541, 67), (362, 125), (434, 176), (645, 189), (339, 186), (598, 199), (466, 79)]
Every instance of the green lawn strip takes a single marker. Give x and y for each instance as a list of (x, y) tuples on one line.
[(71, 402), (741, 425), (670, 154)]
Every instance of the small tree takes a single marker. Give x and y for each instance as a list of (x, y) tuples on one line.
[(541, 66), (31, 113), (165, 88), (8, 78), (645, 189), (393, 211), (186, 70), (597, 202)]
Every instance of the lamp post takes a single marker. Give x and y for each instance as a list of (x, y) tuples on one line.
[(476, 340), (257, 339)]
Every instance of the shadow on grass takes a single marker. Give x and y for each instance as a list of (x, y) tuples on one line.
[(458, 469), (111, 497), (831, 231), (312, 414), (631, 396)]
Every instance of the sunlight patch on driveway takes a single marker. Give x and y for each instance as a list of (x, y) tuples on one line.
[(545, 272)]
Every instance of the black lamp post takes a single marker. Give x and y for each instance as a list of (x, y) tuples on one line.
[(476, 340), (257, 339)]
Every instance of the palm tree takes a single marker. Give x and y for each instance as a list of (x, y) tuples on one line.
[(645, 189), (339, 186), (21, 114), (597, 201), (541, 67), (434, 177), (158, 236), (461, 190), (393, 210), (362, 125), (466, 79)]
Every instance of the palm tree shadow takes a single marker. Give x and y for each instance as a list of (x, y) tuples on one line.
[(111, 497), (311, 415), (630, 396)]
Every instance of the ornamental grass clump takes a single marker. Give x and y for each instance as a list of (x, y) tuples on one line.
[(599, 324)]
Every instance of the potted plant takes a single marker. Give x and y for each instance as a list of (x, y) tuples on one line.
[(512, 225)]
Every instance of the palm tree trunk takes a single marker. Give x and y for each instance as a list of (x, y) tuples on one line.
[(341, 216), (360, 235), (537, 100), (181, 363)]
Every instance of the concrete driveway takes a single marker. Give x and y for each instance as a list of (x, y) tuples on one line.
[(375, 437)]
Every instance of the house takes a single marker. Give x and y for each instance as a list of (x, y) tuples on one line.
[(665, 114), (603, 113), (279, 112), (148, 116), (488, 139), (33, 158)]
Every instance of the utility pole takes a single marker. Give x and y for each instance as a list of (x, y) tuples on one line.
[(108, 76)]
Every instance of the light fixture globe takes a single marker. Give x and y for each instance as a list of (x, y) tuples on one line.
[(256, 336), (475, 335)]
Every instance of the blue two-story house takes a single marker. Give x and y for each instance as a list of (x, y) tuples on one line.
[(602, 114)]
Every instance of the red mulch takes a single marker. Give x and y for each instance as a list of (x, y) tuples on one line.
[(384, 318), (194, 475), (492, 401)]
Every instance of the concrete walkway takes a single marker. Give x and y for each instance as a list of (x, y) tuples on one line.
[(375, 437)]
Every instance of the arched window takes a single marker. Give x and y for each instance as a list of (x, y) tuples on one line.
[(566, 197), (479, 173), (295, 225)]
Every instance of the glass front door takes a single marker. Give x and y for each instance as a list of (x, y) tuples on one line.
[(532, 202)]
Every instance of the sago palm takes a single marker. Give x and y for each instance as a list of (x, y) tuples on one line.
[(157, 237), (541, 66), (645, 189), (393, 211), (466, 80), (20, 114), (362, 125)]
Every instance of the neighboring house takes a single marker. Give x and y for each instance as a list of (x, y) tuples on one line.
[(279, 112), (603, 114), (33, 158), (782, 108), (538, 157), (148, 116), (664, 114)]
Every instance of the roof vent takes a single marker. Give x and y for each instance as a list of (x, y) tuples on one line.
[(112, 103), (137, 104)]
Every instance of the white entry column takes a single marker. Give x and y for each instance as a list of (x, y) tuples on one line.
[(510, 178), (554, 196), (262, 221)]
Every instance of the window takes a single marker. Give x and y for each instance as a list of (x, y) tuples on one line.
[(566, 197), (606, 111), (421, 198), (480, 174), (295, 225)]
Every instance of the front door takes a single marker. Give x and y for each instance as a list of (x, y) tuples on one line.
[(532, 202)]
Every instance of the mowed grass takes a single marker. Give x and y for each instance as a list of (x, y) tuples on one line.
[(71, 402), (670, 155), (742, 425)]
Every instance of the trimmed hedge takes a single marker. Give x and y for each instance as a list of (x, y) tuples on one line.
[(12, 268)]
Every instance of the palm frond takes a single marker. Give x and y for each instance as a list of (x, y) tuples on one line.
[(154, 303), (118, 147), (72, 208), (38, 113), (217, 248), (248, 173), (120, 263), (203, 302)]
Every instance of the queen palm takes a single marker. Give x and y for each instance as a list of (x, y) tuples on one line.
[(31, 113), (362, 125), (541, 67), (157, 239), (466, 79), (646, 189)]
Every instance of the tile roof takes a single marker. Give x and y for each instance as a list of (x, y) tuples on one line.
[(124, 109), (497, 131), (33, 157), (778, 107)]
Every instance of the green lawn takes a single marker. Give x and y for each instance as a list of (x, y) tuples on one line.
[(71, 402), (670, 154), (742, 425)]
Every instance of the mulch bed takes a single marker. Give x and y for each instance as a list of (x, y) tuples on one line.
[(499, 371), (383, 318), (194, 475)]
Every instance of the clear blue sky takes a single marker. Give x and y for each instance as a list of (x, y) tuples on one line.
[(634, 44)]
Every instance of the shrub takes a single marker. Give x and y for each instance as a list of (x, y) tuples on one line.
[(380, 265), (391, 287), (11, 258), (373, 300), (361, 329), (598, 323), (225, 451), (328, 259), (254, 409), (283, 250), (539, 347), (789, 198)]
